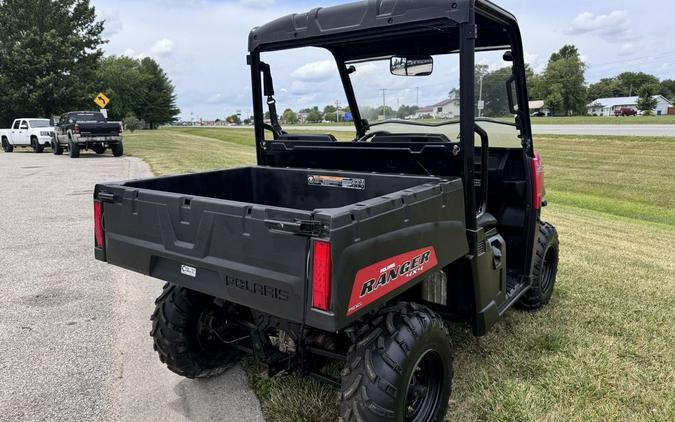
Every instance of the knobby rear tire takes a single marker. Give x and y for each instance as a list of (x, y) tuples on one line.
[(377, 381), (545, 269), (176, 336)]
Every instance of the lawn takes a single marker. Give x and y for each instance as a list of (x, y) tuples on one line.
[(602, 350)]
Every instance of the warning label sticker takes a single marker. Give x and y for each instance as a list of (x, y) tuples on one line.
[(337, 182)]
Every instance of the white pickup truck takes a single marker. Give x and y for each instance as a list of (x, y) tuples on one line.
[(27, 132)]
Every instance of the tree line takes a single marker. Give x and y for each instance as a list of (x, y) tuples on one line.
[(562, 85), (52, 62)]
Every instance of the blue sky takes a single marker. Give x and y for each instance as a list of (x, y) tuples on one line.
[(202, 46)]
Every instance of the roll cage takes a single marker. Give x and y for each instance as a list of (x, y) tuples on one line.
[(380, 28)]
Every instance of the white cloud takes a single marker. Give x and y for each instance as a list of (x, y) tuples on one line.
[(257, 3), (162, 47), (315, 71), (112, 23), (613, 27)]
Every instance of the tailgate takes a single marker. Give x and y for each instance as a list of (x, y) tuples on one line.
[(99, 129), (223, 248)]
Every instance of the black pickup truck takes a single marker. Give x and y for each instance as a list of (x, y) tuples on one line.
[(79, 130), (359, 253)]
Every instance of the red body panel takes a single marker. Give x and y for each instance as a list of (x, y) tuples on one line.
[(538, 182), (375, 281)]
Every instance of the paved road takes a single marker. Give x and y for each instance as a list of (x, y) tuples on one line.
[(608, 130), (74, 341)]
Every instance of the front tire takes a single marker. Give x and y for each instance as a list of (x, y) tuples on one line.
[(399, 368), (57, 148), (117, 149), (545, 269), (37, 148), (6, 146), (180, 337)]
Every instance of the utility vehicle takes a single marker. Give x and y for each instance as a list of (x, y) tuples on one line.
[(359, 252), (79, 130), (27, 133)]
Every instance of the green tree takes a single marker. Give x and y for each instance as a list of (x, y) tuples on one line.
[(329, 109), (494, 93), (622, 85), (124, 81), (49, 51), (331, 116), (564, 82), (668, 89), (646, 102), (606, 88), (132, 123), (632, 82), (159, 105), (314, 115), (233, 119), (406, 111), (290, 116)]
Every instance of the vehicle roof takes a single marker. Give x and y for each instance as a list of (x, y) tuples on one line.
[(385, 20), (31, 118)]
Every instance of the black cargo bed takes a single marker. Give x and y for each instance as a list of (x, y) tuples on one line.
[(245, 235)]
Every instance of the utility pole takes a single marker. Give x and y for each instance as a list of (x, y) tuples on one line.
[(384, 102), (418, 97), (630, 94), (480, 97), (337, 110)]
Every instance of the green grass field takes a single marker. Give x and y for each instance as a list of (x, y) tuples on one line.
[(604, 349)]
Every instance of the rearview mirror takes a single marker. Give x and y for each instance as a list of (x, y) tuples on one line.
[(411, 66)]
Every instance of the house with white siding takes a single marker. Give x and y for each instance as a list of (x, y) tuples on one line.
[(607, 106)]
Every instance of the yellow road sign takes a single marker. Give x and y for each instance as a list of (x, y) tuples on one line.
[(101, 100)]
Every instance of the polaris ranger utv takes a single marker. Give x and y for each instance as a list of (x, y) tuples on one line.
[(353, 252)]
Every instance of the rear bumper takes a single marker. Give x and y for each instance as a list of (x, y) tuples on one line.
[(97, 139)]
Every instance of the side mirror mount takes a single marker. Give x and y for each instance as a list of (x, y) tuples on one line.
[(411, 66), (23, 127)]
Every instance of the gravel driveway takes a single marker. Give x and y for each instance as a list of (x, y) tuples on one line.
[(74, 341)]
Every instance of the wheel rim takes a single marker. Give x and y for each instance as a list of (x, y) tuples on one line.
[(424, 388), (548, 270)]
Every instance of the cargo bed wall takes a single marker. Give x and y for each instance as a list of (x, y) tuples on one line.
[(219, 248), (285, 188)]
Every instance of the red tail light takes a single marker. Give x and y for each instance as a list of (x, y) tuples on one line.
[(538, 189), (321, 275), (76, 129), (98, 224)]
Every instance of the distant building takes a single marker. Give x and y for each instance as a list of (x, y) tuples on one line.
[(607, 106), (446, 109)]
